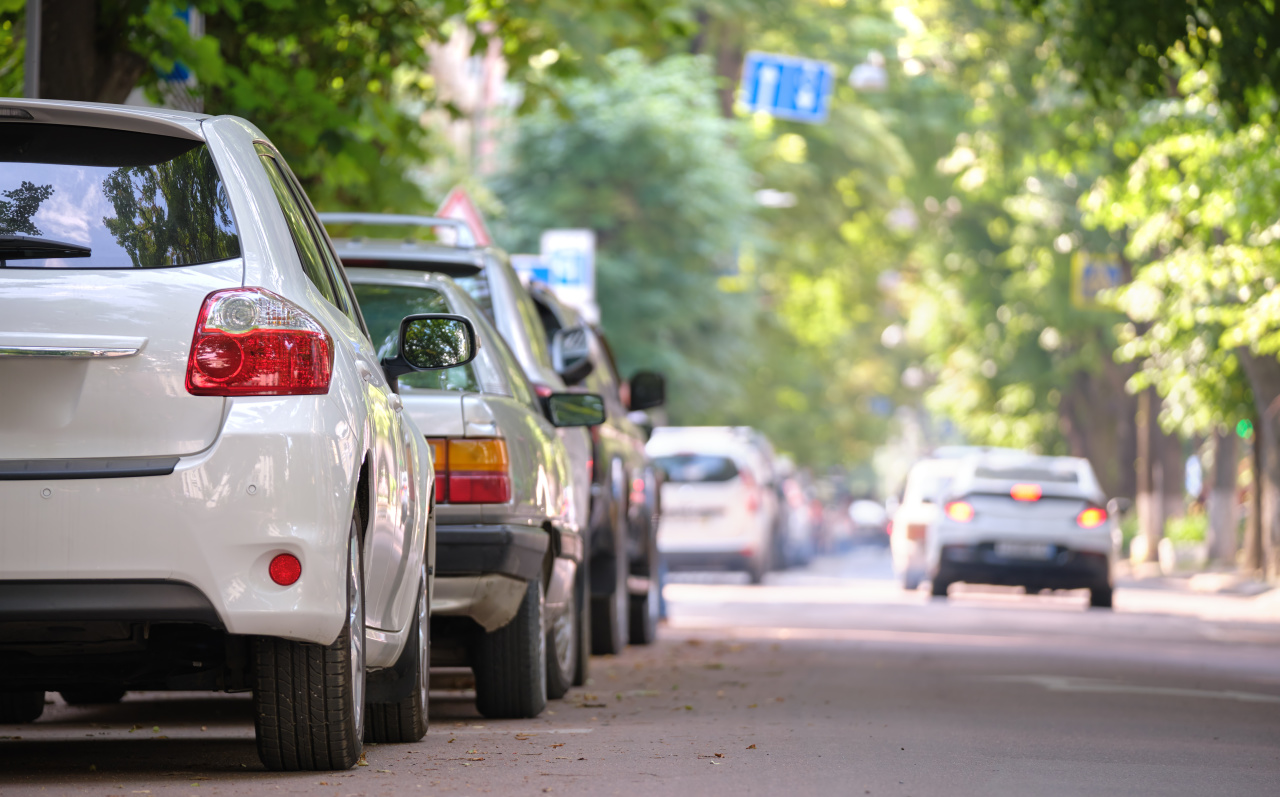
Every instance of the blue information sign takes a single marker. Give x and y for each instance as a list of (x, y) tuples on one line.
[(787, 87)]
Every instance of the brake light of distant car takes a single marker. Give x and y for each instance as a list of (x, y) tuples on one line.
[(1091, 517), (472, 471), (753, 493), (251, 342), (1026, 492), (960, 511)]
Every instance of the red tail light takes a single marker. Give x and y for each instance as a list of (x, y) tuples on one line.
[(753, 493), (1091, 518), (472, 471), (960, 511), (251, 342)]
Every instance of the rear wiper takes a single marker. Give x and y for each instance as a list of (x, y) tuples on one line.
[(28, 247)]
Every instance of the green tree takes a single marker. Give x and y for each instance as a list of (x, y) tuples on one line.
[(643, 158)]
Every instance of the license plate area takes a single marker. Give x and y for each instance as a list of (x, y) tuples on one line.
[(1025, 551)]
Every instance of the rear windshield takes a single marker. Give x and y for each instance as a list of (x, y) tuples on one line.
[(89, 198), (1028, 475), (385, 306), (697, 468)]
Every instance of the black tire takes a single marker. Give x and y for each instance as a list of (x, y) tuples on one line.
[(563, 648), (756, 571), (511, 663), (582, 666), (610, 618), (1100, 597), (405, 719), (910, 581), (23, 705), (93, 695), (938, 588), (645, 608), (308, 699)]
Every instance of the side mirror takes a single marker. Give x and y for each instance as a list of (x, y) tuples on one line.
[(571, 354), (575, 409), (430, 342), (648, 389)]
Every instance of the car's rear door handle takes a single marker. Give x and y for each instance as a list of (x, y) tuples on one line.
[(395, 402), (365, 373)]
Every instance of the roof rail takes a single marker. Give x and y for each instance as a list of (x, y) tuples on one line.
[(466, 240)]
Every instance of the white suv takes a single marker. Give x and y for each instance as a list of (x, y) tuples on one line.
[(206, 481)]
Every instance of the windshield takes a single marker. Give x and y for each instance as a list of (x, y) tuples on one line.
[(697, 468), (926, 483), (385, 306), (134, 200)]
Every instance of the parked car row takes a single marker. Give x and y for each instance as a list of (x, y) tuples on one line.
[(239, 454)]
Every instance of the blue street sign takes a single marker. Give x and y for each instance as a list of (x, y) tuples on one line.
[(787, 87)]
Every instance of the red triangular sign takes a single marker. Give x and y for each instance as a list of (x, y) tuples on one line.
[(458, 205)]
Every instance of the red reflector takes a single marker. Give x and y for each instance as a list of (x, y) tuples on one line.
[(1026, 492), (543, 391), (285, 569), (251, 342), (1091, 518), (960, 511), (479, 488)]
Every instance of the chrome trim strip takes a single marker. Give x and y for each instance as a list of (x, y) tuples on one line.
[(76, 352)]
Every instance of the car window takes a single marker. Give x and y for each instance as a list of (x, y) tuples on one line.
[(304, 240), (91, 198), (477, 287), (685, 468), (925, 484), (346, 301), (518, 382), (536, 333), (385, 306), (1028, 474)]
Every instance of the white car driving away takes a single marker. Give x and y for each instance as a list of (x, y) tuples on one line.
[(1035, 522), (206, 477)]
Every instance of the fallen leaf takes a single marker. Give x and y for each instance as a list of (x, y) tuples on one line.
[(451, 741), (361, 762), (688, 708), (323, 783), (480, 758), (717, 763), (465, 764), (753, 705), (93, 767), (473, 751), (715, 665), (752, 747), (204, 727), (719, 755), (155, 728), (561, 744), (389, 772)]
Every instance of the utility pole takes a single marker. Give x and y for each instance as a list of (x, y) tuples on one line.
[(31, 61)]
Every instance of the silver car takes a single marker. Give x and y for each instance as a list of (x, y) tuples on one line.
[(509, 543), (1022, 520)]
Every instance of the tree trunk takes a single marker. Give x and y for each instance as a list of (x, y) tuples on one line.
[(84, 50), (1263, 372), (1096, 416), (1222, 498), (1150, 477)]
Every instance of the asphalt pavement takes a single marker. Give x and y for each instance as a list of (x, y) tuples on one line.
[(826, 681)]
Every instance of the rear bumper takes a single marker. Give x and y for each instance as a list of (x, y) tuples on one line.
[(276, 481), (515, 551), (708, 560), (105, 601), (1069, 569)]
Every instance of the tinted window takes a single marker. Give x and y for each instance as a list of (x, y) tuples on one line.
[(385, 306), (303, 239), (94, 198), (1027, 475), (697, 468)]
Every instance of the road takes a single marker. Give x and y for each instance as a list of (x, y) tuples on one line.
[(823, 681)]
